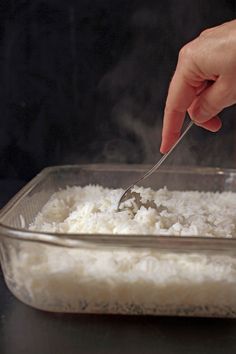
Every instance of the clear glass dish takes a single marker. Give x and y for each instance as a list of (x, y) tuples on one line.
[(186, 276)]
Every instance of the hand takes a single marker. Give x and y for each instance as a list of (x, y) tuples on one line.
[(203, 84)]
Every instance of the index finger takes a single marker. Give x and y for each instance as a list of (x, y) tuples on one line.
[(180, 96)]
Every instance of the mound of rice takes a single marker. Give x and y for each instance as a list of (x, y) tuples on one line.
[(92, 209), (129, 280)]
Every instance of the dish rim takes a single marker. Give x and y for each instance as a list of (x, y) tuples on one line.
[(76, 240)]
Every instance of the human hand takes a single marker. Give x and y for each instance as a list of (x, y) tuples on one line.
[(203, 84)]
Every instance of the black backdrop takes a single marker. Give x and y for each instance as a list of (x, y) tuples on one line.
[(85, 81)]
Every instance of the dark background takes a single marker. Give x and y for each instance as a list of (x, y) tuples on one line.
[(86, 81)]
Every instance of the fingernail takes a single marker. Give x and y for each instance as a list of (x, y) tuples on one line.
[(162, 150)]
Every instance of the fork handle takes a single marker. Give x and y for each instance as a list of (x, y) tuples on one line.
[(160, 162)]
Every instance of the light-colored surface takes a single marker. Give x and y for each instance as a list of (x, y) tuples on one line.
[(125, 281), (122, 280), (92, 209)]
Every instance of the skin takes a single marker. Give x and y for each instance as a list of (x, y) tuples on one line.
[(204, 82)]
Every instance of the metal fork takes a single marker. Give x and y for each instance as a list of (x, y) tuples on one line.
[(129, 194)]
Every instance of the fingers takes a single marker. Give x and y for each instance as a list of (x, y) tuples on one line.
[(213, 125), (180, 96), (210, 59), (202, 107), (212, 101)]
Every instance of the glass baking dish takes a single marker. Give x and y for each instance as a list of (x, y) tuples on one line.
[(78, 273)]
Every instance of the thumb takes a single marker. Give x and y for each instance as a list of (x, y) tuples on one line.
[(212, 100)]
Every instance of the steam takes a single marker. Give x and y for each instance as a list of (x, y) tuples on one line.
[(138, 83), (68, 67), (136, 87)]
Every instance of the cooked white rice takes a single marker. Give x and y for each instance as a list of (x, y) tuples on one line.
[(124, 280), (92, 209)]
